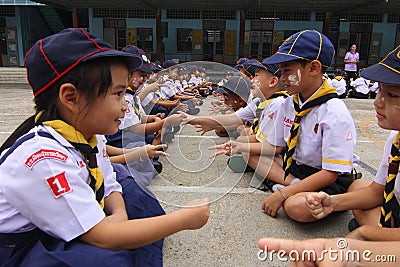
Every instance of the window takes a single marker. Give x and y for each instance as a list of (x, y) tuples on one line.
[(183, 40), (145, 39)]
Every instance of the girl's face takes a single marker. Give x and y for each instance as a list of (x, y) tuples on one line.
[(353, 48), (137, 79), (103, 115), (387, 106)]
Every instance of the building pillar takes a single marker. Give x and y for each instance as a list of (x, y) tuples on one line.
[(159, 38), (241, 33), (75, 18), (326, 24)]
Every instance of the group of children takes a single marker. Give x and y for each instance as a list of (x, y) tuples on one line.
[(75, 175), (309, 143), (356, 88)]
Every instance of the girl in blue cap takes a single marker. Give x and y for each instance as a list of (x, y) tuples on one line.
[(59, 202)]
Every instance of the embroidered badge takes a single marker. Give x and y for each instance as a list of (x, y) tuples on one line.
[(59, 185), (316, 126), (44, 154), (81, 164), (129, 104), (349, 135), (271, 115)]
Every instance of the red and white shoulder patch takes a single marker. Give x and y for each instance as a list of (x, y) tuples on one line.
[(59, 185), (44, 154)]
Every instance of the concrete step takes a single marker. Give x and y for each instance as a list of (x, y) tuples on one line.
[(9, 75)]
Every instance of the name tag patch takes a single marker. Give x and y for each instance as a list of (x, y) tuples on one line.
[(44, 154)]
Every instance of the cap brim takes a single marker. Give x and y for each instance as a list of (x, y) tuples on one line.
[(279, 58), (380, 73), (146, 68), (223, 90), (133, 62)]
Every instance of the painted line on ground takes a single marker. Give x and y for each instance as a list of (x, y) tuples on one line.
[(197, 136), (364, 131), (204, 189)]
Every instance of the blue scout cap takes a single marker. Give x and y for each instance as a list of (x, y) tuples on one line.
[(337, 72), (250, 67), (155, 67), (51, 58), (309, 45), (272, 68), (134, 50), (241, 60), (236, 85), (169, 63), (387, 71)]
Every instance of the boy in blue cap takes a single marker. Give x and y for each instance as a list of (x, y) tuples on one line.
[(313, 125), (374, 204), (268, 97)]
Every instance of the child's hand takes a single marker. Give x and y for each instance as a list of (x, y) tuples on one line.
[(319, 204), (183, 107), (187, 119), (195, 214), (175, 119), (229, 148), (203, 128), (153, 150), (273, 203)]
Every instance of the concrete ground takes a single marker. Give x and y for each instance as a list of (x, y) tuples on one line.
[(237, 221)]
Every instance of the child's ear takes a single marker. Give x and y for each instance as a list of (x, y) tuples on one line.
[(69, 97), (315, 67), (273, 82)]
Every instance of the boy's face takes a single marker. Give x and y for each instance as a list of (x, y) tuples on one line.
[(261, 84), (295, 77), (137, 79), (104, 114), (233, 101), (387, 107)]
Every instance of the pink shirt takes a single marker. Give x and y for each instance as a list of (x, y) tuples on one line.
[(351, 56)]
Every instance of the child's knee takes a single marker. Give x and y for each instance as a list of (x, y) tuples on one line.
[(296, 209), (357, 184)]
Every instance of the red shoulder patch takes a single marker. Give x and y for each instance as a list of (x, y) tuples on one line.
[(59, 185), (44, 154)]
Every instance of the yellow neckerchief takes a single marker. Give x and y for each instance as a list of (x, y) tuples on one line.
[(338, 77), (262, 106), (390, 206), (87, 148), (136, 108), (322, 96)]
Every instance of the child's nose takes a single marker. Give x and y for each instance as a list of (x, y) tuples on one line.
[(124, 105), (379, 99)]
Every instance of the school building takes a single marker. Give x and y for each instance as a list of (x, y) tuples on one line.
[(210, 30)]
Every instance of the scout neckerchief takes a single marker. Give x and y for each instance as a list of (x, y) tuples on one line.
[(262, 106), (135, 102), (338, 77), (87, 148), (323, 95), (390, 206)]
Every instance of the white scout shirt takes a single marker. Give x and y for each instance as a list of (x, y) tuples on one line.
[(266, 122), (45, 183), (248, 113), (327, 135), (340, 85), (131, 118), (361, 85), (382, 173)]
